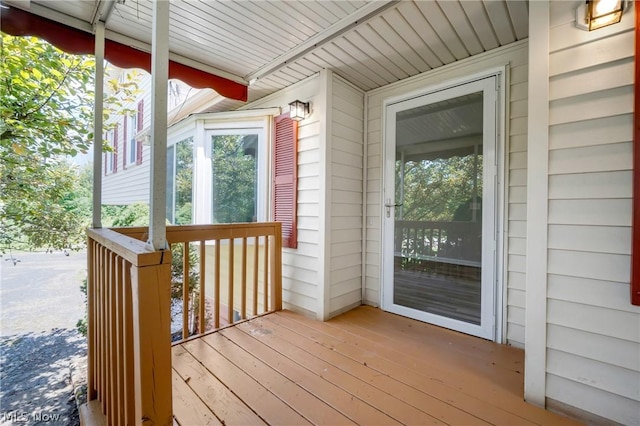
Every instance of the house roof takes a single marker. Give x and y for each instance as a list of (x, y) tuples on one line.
[(270, 45)]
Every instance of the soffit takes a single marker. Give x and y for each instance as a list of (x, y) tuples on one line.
[(242, 38)]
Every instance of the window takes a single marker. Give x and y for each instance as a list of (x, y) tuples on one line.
[(232, 174), (180, 182), (238, 175), (110, 156), (130, 139)]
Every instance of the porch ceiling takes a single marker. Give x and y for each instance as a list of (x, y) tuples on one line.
[(275, 43)]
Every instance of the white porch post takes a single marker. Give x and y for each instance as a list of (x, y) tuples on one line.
[(160, 73), (97, 126), (535, 347)]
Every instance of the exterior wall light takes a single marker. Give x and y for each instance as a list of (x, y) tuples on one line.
[(595, 14), (298, 110)]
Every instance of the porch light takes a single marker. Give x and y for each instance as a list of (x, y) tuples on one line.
[(298, 110), (595, 14)]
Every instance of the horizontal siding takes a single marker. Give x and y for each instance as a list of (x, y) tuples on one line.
[(516, 146), (128, 186), (346, 154), (578, 394), (301, 267), (593, 356), (131, 184)]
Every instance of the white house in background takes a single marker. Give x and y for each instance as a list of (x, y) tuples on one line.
[(541, 111), (126, 168)]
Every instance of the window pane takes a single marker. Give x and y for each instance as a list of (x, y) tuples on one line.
[(131, 138), (170, 180), (184, 182), (234, 176)]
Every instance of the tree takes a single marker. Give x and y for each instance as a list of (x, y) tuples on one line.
[(439, 189), (234, 179), (46, 114)]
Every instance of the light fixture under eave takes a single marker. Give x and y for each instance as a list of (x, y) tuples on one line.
[(298, 110), (595, 14)]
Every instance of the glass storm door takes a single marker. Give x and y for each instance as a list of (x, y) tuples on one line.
[(439, 209)]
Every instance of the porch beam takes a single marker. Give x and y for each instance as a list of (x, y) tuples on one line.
[(361, 15), (160, 76), (97, 126)]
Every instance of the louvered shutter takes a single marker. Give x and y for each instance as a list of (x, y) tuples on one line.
[(125, 142), (139, 129), (115, 149), (285, 178)]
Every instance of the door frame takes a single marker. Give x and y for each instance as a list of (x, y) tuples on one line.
[(501, 205)]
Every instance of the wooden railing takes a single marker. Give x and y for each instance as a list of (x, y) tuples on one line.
[(451, 242), (227, 273), (129, 346)]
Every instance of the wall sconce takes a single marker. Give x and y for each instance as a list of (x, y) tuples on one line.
[(595, 14), (298, 110)]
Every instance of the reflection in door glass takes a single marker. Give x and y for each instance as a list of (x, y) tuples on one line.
[(234, 166), (438, 223)]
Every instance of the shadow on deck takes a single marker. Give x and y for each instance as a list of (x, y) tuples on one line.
[(365, 366)]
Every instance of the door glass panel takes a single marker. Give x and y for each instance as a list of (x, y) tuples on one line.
[(438, 213), (235, 177)]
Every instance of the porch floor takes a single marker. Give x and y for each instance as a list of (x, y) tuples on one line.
[(365, 366)]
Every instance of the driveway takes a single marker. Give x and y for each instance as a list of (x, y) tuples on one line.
[(40, 303), (41, 291)]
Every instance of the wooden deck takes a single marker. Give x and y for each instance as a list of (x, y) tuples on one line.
[(363, 367)]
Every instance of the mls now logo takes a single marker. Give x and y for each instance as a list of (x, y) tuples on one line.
[(23, 417)]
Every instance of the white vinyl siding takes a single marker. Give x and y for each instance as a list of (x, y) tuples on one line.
[(130, 185), (301, 270), (515, 56), (593, 340), (345, 181)]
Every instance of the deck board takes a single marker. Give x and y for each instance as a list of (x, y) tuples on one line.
[(365, 367)]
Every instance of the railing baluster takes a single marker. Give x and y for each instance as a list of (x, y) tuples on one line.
[(91, 319), (203, 301), (101, 317), (120, 384), (216, 287), (266, 275), (185, 290), (110, 349), (243, 289), (129, 395), (256, 249), (230, 318)]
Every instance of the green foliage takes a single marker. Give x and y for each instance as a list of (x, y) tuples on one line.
[(81, 324), (42, 205), (46, 114), (127, 215), (234, 180), (437, 190), (46, 98), (184, 182)]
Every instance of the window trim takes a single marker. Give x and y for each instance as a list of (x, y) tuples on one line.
[(237, 128)]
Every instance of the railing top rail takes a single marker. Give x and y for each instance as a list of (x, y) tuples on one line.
[(189, 233), (133, 250), (425, 223)]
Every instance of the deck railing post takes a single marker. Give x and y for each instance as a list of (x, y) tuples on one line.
[(276, 257), (151, 295)]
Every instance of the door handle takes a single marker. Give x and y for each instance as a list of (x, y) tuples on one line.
[(388, 205)]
